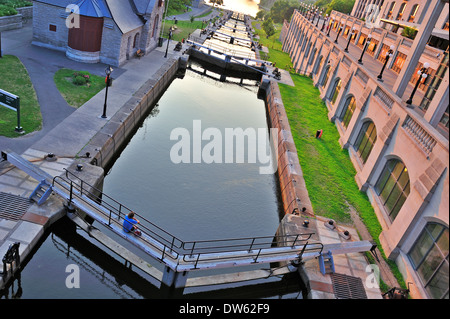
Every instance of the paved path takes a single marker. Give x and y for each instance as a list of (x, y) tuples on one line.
[(197, 12), (41, 65)]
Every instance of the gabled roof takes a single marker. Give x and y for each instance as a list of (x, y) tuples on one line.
[(123, 15), (144, 6)]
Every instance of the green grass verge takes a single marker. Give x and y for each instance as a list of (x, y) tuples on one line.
[(183, 29), (327, 169), (77, 95), (15, 79)]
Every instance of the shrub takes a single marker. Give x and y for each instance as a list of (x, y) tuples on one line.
[(79, 80), (7, 11)]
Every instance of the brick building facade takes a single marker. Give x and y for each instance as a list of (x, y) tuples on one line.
[(400, 151)]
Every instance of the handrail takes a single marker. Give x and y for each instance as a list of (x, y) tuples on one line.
[(190, 252)]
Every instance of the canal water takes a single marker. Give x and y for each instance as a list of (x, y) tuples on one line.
[(194, 201)]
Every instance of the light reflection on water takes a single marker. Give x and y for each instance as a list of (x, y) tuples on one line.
[(249, 7)]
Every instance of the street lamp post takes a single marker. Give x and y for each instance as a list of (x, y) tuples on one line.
[(388, 55), (350, 38), (325, 20), (369, 37), (168, 41), (318, 18), (329, 27), (108, 71), (341, 26), (422, 75)]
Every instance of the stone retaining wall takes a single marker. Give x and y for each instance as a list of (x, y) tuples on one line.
[(292, 185), (16, 21)]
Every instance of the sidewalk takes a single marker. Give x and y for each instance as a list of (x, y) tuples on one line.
[(196, 12)]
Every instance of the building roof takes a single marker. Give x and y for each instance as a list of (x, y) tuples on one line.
[(144, 6), (93, 8), (123, 14)]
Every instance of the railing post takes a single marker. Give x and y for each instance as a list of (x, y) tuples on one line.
[(296, 237), (254, 261), (251, 245), (71, 190), (192, 250)]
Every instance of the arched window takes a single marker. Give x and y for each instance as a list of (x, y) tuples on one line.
[(136, 40), (401, 11), (429, 257), (336, 88), (391, 9), (412, 14), (393, 187), (366, 140), (347, 112), (327, 75)]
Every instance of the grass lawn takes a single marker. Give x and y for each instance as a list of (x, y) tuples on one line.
[(15, 80), (276, 54), (184, 28), (77, 95)]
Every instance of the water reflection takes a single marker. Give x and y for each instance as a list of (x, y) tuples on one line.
[(250, 7)]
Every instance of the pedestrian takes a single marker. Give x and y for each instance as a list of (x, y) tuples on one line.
[(129, 222)]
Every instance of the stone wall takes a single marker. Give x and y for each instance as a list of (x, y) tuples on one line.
[(16, 21), (10, 22), (294, 194), (43, 16)]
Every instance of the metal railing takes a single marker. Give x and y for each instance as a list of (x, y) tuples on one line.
[(170, 246)]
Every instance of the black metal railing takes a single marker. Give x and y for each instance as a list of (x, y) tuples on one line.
[(173, 247)]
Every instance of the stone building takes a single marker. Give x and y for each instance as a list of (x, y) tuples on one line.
[(400, 150), (107, 31)]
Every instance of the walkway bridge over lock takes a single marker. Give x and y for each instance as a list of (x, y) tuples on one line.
[(178, 256)]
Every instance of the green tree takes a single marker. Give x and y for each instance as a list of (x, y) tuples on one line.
[(344, 6), (268, 27), (261, 14), (282, 10)]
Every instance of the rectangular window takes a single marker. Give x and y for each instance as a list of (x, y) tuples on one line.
[(399, 61), (52, 27)]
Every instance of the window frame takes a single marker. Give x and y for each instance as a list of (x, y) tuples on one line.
[(359, 140), (388, 174), (433, 246), (346, 117)]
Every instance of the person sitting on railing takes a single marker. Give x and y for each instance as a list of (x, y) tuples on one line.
[(129, 222)]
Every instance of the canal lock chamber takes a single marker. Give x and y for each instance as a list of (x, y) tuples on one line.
[(140, 119)]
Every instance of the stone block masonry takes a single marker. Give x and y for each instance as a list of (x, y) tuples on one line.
[(292, 185)]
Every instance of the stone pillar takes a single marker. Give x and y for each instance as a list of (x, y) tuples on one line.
[(174, 279), (418, 46)]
